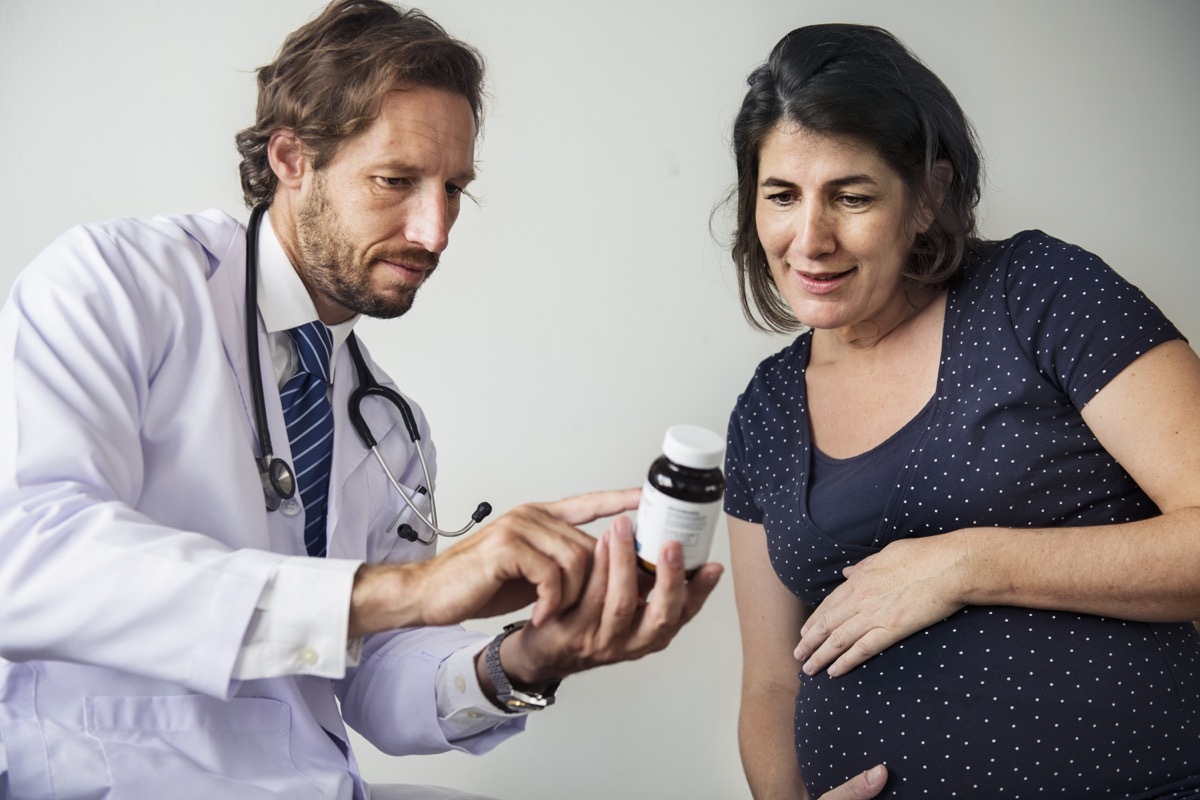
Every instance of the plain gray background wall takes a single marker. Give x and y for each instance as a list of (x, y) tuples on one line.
[(584, 305)]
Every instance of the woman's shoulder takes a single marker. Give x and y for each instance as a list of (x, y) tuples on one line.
[(1027, 251), (785, 363), (780, 372), (1068, 311), (1028, 266)]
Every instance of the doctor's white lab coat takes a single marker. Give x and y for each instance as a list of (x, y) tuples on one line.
[(134, 543)]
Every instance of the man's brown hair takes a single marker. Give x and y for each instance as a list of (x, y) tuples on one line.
[(328, 82)]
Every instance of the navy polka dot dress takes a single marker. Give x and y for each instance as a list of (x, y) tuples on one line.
[(994, 701)]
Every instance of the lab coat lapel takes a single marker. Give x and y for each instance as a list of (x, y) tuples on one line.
[(227, 287)]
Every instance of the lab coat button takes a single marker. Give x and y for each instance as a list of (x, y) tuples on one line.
[(474, 715), (460, 684), (308, 656), (290, 508)]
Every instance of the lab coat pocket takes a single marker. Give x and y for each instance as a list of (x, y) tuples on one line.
[(191, 746), (386, 543)]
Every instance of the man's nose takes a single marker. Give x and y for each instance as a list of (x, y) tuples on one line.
[(428, 223)]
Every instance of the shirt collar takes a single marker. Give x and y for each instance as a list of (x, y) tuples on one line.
[(283, 299)]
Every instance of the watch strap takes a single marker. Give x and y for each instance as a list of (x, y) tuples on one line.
[(514, 701)]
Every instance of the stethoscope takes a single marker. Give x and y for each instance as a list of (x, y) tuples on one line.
[(278, 478)]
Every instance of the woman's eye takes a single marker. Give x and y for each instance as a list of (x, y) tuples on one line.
[(780, 198), (393, 182), (453, 191), (854, 200)]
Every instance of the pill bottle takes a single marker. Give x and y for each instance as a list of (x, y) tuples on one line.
[(681, 498)]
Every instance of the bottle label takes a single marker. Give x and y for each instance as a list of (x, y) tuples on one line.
[(661, 518)]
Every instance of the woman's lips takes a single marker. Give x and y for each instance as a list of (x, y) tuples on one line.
[(822, 282)]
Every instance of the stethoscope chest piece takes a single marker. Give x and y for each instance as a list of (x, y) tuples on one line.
[(279, 483)]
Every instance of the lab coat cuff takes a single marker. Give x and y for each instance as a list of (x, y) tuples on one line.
[(302, 623), (217, 652)]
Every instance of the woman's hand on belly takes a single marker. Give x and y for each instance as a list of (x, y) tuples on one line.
[(904, 588)]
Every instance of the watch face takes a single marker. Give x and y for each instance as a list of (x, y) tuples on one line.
[(527, 701)]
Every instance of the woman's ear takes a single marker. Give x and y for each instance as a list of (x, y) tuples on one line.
[(940, 177), (287, 158)]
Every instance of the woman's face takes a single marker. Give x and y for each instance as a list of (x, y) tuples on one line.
[(835, 223)]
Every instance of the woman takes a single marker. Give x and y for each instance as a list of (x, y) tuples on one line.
[(965, 502)]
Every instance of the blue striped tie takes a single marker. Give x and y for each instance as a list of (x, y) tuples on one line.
[(309, 419)]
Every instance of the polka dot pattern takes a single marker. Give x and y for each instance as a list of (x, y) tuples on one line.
[(994, 701)]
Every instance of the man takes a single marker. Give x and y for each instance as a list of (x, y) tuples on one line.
[(164, 633), (167, 632)]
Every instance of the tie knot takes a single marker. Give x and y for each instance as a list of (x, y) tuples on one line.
[(314, 346)]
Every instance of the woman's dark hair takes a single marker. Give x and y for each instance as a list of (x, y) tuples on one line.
[(859, 82), (330, 77)]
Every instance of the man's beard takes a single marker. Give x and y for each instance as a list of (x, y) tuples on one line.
[(332, 268)]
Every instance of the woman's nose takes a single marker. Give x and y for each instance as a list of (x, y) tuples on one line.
[(814, 233)]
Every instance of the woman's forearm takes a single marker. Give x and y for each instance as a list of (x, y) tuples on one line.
[(1147, 570), (765, 740)]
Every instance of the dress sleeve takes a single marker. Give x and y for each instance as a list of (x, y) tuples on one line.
[(1080, 321), (739, 494)]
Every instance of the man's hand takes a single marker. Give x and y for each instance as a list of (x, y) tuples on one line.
[(612, 621), (904, 588), (532, 554), (862, 786)]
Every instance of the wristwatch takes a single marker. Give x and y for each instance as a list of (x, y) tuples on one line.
[(514, 701)]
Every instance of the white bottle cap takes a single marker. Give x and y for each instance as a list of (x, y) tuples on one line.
[(693, 446)]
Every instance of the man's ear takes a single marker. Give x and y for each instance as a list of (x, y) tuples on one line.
[(942, 175), (287, 157)]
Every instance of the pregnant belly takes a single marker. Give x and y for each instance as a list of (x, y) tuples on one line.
[(1002, 702)]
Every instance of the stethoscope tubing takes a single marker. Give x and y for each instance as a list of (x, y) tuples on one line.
[(367, 385), (278, 478), (431, 520)]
